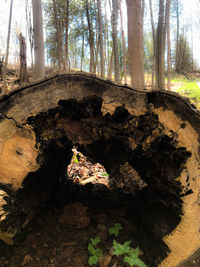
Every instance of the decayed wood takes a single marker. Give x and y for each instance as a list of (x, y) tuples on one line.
[(156, 135)]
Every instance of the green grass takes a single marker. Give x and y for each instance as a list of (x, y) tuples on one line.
[(188, 88)]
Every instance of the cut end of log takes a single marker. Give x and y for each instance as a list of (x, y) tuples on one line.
[(147, 141)]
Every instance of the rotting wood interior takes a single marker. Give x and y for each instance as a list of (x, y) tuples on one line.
[(142, 158)]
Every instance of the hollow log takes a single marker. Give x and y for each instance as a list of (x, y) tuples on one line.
[(148, 141)]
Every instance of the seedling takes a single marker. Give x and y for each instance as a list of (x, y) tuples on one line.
[(131, 254), (115, 229), (95, 253)]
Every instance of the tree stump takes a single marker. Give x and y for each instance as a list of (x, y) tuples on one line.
[(148, 141)]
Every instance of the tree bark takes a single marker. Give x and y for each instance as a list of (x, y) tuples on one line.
[(160, 47), (67, 35), (58, 38), (154, 44), (36, 144), (23, 75), (115, 9), (123, 44), (8, 43), (39, 66), (167, 25), (102, 59), (135, 42), (91, 38)]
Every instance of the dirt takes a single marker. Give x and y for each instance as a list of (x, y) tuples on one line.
[(60, 237)]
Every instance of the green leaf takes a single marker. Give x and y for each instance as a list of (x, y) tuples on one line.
[(121, 249), (115, 229), (95, 240), (98, 252), (75, 159), (131, 261), (93, 260), (134, 253), (102, 227), (91, 249)]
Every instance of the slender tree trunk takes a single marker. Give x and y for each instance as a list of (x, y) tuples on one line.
[(177, 36), (39, 67), (58, 37), (106, 55), (110, 65), (123, 44), (115, 9), (82, 48), (30, 29), (135, 42), (8, 43), (91, 38), (67, 35), (154, 44), (102, 60), (23, 76), (167, 23), (160, 48)]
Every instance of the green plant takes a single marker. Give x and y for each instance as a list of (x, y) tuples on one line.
[(131, 254), (115, 229), (93, 251)]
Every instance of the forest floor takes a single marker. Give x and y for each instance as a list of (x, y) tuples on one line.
[(60, 235)]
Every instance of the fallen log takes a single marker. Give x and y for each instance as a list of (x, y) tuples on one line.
[(148, 141)]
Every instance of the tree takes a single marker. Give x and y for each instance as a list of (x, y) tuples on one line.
[(154, 44), (23, 75), (123, 44), (115, 9), (167, 25), (101, 39), (160, 47), (58, 37), (91, 37), (39, 67), (8, 43), (135, 42), (67, 35)]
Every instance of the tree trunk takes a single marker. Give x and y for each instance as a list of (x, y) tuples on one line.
[(135, 42), (124, 45), (115, 9), (58, 38), (177, 37), (120, 128), (23, 75), (160, 48), (67, 35), (39, 67), (8, 44), (101, 39), (110, 65), (167, 25), (154, 44), (91, 38)]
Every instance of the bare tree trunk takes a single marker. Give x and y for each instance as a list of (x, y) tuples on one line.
[(23, 75), (177, 36), (160, 48), (67, 36), (8, 44), (58, 38), (123, 44), (106, 54), (135, 42), (110, 65), (91, 38), (39, 67), (115, 9), (30, 29), (167, 25), (154, 44), (101, 39)]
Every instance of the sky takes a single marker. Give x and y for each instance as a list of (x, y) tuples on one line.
[(190, 11)]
